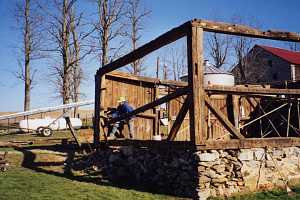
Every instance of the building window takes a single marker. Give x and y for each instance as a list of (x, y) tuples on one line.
[(270, 63), (297, 72)]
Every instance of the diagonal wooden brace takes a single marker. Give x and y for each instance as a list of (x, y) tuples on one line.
[(178, 92), (222, 118), (180, 117)]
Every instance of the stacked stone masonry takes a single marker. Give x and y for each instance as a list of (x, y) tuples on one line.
[(202, 173)]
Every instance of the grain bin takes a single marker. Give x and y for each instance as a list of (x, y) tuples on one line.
[(214, 76)]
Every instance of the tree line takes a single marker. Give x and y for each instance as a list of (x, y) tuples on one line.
[(59, 30)]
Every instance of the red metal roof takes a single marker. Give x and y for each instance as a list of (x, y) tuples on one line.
[(292, 57)]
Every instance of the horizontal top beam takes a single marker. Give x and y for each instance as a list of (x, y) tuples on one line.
[(250, 90), (208, 26), (154, 81), (242, 30), (164, 39)]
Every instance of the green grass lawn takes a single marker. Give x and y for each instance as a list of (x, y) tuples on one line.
[(268, 195), (20, 183), (51, 183)]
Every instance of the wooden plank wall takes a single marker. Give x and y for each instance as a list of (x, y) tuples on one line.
[(217, 130), (137, 93), (183, 133)]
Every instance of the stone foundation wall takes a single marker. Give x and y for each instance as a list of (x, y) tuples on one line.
[(223, 173), (202, 173), (159, 171)]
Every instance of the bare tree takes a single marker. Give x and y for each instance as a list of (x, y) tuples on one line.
[(136, 16), (77, 73), (109, 27), (176, 61), (242, 45), (64, 29), (219, 48), (60, 30), (29, 24)]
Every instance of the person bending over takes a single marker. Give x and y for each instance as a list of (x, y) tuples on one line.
[(123, 108)]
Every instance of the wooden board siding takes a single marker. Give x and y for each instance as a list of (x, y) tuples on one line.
[(218, 131), (137, 93)]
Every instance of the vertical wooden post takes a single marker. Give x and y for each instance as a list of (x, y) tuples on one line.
[(97, 109), (232, 103), (155, 111), (169, 113), (236, 110), (158, 123), (195, 80)]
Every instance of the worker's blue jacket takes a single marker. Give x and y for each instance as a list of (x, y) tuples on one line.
[(122, 109)]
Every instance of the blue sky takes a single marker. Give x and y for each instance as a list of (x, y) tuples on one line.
[(166, 14)]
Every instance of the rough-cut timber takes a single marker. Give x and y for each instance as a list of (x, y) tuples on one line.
[(140, 52), (251, 143), (119, 76), (245, 143), (242, 30), (195, 81), (97, 105), (180, 117), (218, 89)]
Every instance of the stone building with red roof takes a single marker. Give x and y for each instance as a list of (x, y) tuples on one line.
[(265, 64)]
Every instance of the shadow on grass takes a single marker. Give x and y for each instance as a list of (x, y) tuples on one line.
[(29, 161)]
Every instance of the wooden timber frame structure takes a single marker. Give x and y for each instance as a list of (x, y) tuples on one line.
[(198, 96)]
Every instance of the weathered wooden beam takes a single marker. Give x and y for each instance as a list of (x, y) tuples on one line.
[(177, 93), (164, 39), (117, 75), (211, 144), (180, 117), (251, 102), (156, 120), (229, 107), (222, 118), (251, 143), (146, 115), (151, 144), (218, 89), (195, 81), (96, 121), (242, 30), (141, 115), (233, 109), (236, 110), (72, 130)]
